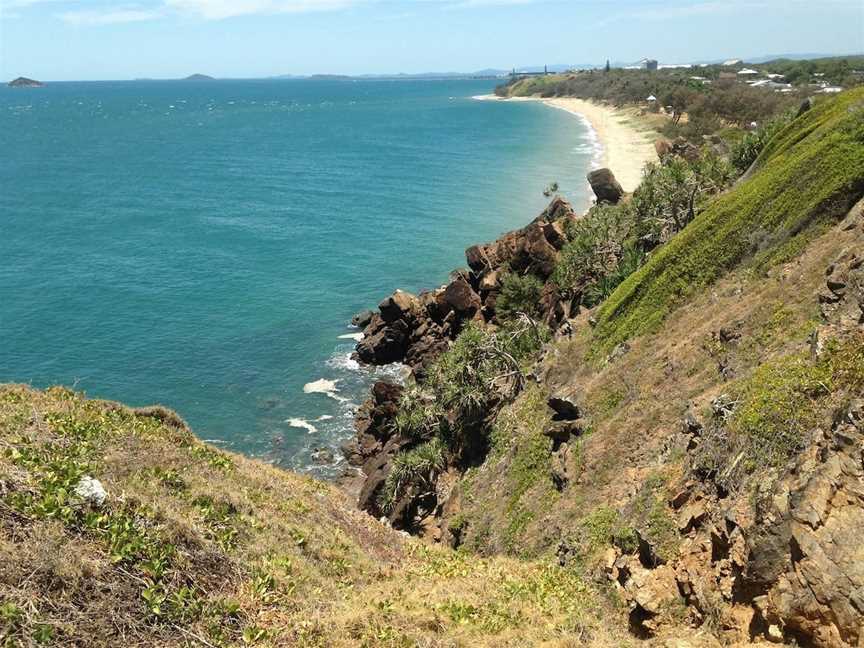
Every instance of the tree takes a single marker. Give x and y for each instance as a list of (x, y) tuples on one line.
[(608, 67)]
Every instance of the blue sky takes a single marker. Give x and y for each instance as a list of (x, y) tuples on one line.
[(100, 39)]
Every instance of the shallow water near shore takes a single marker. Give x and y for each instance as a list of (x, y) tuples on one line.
[(204, 245)]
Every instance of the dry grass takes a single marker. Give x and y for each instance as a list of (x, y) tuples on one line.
[(635, 404), (198, 547)]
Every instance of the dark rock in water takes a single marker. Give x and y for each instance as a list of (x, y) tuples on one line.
[(565, 408), (605, 186), (397, 306), (372, 423), (383, 343), (322, 456), (361, 320), (24, 82)]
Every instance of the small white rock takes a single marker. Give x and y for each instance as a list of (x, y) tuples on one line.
[(91, 490)]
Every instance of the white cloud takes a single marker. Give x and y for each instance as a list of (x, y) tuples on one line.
[(218, 9), (108, 16)]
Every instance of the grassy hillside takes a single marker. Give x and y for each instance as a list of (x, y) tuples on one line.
[(194, 546), (810, 174)]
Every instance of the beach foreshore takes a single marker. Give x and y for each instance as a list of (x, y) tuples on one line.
[(626, 146)]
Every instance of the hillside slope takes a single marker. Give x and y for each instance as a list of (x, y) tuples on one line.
[(662, 446), (196, 547)]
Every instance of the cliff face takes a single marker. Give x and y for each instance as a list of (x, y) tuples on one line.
[(694, 440)]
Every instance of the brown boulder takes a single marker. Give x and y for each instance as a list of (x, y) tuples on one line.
[(535, 254), (399, 305), (663, 147), (386, 345), (554, 233), (605, 186), (460, 297)]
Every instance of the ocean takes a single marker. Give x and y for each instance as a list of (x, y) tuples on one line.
[(203, 245)]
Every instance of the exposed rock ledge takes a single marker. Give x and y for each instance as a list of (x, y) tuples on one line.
[(415, 329)]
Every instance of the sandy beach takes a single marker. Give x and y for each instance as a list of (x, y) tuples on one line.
[(626, 147)]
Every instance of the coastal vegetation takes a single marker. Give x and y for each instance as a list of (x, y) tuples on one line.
[(810, 177), (642, 422), (714, 98), (696, 345)]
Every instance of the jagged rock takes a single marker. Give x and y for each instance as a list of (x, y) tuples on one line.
[(383, 344), (461, 297), (559, 467), (650, 592), (605, 186), (808, 549), (362, 319), (322, 456), (691, 424), (554, 234), (477, 259), (557, 210), (490, 281), (562, 431), (377, 469), (565, 407), (529, 252), (372, 423), (684, 149), (692, 515), (397, 306), (842, 299)]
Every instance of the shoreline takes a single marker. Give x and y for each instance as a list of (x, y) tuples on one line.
[(625, 148)]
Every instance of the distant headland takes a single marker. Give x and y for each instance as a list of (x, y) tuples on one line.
[(199, 77), (24, 82)]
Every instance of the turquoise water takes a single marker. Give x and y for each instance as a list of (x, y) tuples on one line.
[(203, 245)]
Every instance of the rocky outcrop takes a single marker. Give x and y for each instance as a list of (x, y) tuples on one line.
[(416, 329), (807, 552), (841, 301), (372, 424), (783, 565), (605, 186)]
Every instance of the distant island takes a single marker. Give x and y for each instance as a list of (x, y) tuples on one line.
[(24, 82), (199, 77)]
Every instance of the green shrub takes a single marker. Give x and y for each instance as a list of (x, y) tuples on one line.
[(670, 193), (416, 467), (419, 414), (480, 364), (777, 406), (519, 294), (593, 247), (632, 257), (810, 173), (748, 148)]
